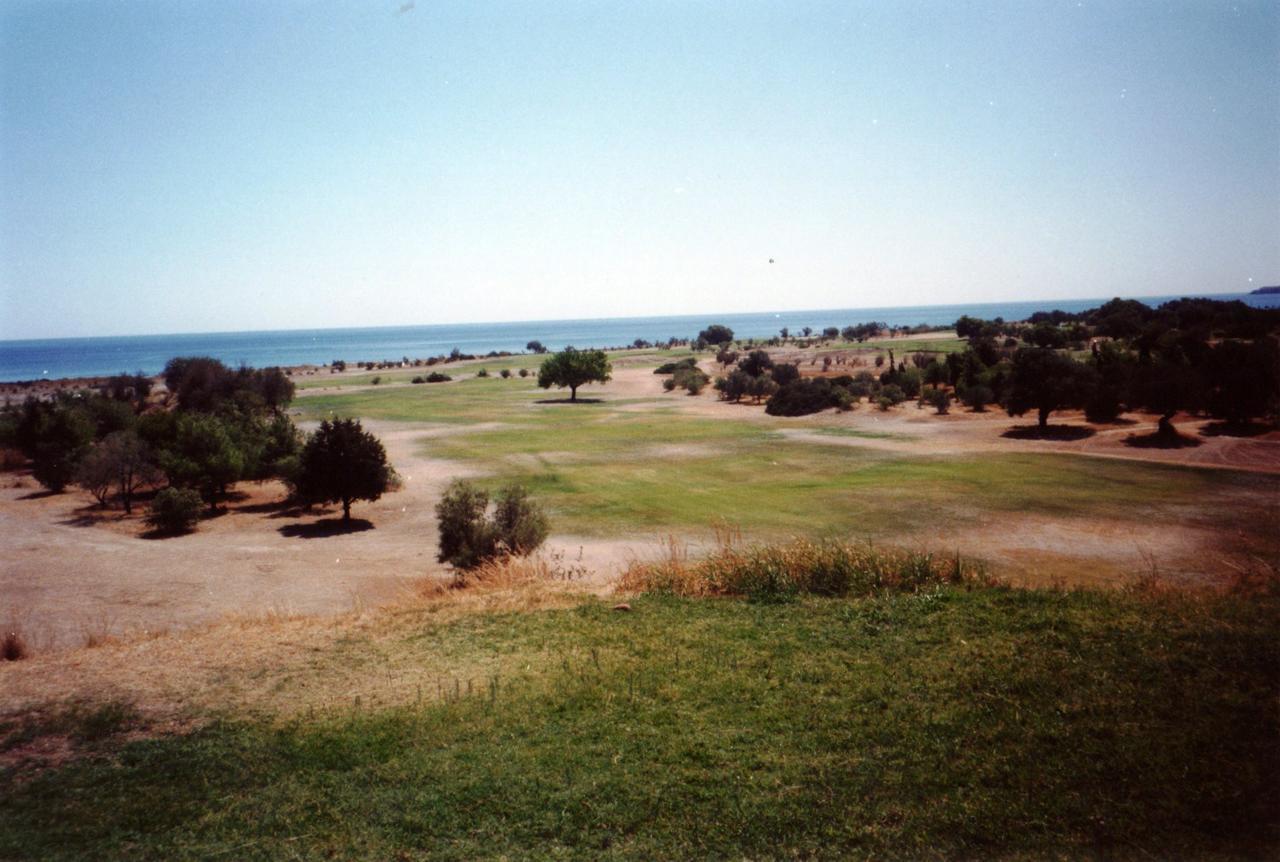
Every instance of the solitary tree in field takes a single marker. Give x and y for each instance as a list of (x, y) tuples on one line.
[(1043, 380), (342, 463), (535, 347), (573, 368)]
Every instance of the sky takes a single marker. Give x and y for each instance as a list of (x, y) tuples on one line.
[(205, 166)]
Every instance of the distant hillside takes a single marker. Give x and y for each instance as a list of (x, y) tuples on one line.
[(1262, 291)]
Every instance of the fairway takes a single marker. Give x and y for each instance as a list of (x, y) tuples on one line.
[(632, 462)]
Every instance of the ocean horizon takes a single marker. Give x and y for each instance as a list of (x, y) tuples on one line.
[(94, 356)]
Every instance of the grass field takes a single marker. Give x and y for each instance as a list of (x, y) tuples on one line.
[(607, 469), (951, 723)]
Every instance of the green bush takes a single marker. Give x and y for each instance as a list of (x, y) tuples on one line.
[(673, 367), (438, 377), (174, 510), (469, 537)]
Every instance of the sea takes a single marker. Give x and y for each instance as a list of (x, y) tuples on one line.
[(52, 358)]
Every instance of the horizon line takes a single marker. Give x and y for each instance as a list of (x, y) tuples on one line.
[(1137, 297)]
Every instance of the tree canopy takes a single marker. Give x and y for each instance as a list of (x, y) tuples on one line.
[(342, 463), (573, 368)]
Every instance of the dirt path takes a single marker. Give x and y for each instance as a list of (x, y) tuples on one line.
[(70, 574)]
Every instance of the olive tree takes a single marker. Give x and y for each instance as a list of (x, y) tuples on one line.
[(573, 368)]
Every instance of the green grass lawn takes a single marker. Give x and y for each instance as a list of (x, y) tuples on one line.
[(972, 724), (604, 470)]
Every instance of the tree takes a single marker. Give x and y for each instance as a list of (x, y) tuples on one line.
[(1043, 380), (174, 510), (756, 363), (203, 456), (1245, 380), (342, 463), (573, 368), (785, 373), (122, 461), (535, 347), (716, 334), (468, 537), (55, 442)]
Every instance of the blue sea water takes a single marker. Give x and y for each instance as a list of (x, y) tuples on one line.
[(87, 357)]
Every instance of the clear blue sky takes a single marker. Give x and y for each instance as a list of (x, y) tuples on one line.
[(193, 166)]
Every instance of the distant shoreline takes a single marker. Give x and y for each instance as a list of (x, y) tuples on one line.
[(96, 357)]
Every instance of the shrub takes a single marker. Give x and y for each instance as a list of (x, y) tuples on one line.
[(673, 367), (174, 510), (785, 373), (419, 379), (692, 379), (505, 373), (437, 377), (483, 372), (468, 537), (894, 393), (377, 380), (802, 397), (978, 397), (524, 372), (938, 399), (521, 523), (13, 647)]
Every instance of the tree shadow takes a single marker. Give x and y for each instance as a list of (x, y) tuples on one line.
[(1049, 432), (325, 528), (567, 401), (154, 534), (1238, 429), (1157, 440), (1118, 422), (41, 494)]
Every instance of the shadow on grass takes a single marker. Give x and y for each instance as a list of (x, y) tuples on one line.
[(1049, 432), (325, 527), (1238, 429), (1156, 440), (567, 401)]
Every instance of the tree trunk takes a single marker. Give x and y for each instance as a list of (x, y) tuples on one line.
[(1165, 426), (1044, 418), (346, 509), (573, 393)]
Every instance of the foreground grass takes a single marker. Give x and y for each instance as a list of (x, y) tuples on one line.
[(948, 723)]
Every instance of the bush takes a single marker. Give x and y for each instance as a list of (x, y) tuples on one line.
[(673, 367), (978, 397), (524, 372), (483, 372), (937, 398), (893, 393), (505, 373), (468, 537), (802, 397), (174, 510), (785, 373), (437, 377), (690, 379), (419, 379), (376, 380)]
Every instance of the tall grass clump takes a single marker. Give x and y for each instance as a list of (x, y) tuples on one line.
[(801, 567)]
